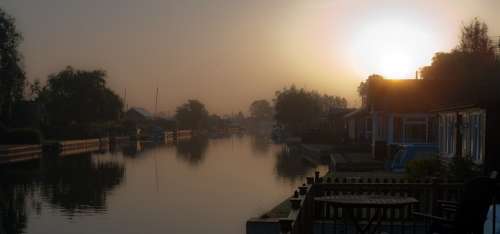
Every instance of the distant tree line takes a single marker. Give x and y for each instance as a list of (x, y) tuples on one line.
[(71, 101)]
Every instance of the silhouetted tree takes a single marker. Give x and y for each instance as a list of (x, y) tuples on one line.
[(215, 121), (474, 39), (468, 74), (473, 58), (80, 97), (12, 75), (298, 109), (363, 86), (35, 88), (261, 110), (192, 115)]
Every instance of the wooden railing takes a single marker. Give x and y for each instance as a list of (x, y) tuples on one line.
[(306, 212), (173, 136), (81, 146), (19, 153), (184, 133)]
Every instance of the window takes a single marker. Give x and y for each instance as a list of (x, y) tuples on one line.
[(447, 136), (473, 135), (414, 130), (415, 133), (398, 129)]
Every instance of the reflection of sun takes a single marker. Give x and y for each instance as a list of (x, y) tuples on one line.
[(391, 48)]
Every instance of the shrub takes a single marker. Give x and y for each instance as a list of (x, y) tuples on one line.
[(21, 136), (463, 168), (3, 129), (423, 168)]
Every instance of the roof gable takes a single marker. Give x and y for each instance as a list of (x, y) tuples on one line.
[(142, 112)]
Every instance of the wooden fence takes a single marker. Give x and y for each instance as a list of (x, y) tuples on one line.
[(19, 153), (81, 146), (306, 212), (173, 136)]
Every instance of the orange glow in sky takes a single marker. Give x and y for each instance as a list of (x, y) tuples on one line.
[(392, 47), (228, 53)]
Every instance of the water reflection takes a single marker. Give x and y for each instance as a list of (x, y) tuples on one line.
[(74, 184), (16, 189), (243, 176), (192, 150), (13, 212), (260, 144), (291, 166), (77, 184)]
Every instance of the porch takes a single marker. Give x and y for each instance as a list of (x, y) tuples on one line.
[(308, 215)]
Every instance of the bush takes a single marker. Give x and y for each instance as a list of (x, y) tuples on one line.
[(22, 136), (423, 168), (463, 168), (3, 129)]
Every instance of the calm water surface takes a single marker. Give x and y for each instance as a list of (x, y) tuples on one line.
[(198, 186)]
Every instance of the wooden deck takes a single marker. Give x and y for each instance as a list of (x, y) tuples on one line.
[(310, 216)]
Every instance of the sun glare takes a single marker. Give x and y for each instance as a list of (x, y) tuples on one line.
[(392, 48)]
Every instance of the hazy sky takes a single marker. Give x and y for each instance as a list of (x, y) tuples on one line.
[(228, 53)]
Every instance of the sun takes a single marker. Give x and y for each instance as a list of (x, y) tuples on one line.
[(393, 48), (395, 65)]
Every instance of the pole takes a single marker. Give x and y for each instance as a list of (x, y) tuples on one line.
[(125, 99), (156, 101)]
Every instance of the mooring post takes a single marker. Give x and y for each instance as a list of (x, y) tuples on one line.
[(285, 225), (310, 180), (303, 190)]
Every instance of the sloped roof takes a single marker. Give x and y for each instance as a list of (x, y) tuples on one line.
[(400, 96), (357, 113), (142, 112), (426, 95)]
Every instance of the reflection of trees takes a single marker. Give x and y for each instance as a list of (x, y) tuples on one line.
[(260, 144), (134, 149), (74, 184), (291, 166), (15, 190), (77, 183), (192, 150), (13, 215)]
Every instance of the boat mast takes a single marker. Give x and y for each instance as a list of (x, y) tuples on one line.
[(156, 102)]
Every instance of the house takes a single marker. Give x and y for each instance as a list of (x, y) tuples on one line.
[(399, 111), (472, 131), (138, 115), (330, 128), (358, 124)]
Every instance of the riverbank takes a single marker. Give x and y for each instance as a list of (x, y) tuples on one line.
[(345, 164)]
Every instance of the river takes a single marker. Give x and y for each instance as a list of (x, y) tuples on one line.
[(198, 186)]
